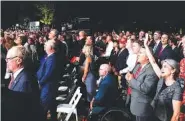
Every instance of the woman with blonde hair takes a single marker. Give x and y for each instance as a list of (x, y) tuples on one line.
[(88, 72)]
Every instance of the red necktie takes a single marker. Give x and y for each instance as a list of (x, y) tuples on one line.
[(160, 52), (137, 72), (11, 82)]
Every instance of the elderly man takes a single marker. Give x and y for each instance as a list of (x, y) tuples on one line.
[(48, 75), (107, 91), (143, 83), (23, 91), (60, 49)]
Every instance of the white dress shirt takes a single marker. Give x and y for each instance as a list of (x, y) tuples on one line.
[(108, 49), (131, 62), (17, 73)]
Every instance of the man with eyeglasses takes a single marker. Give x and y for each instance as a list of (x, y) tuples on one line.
[(23, 91)]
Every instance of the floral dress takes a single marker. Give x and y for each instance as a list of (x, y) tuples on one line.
[(182, 75)]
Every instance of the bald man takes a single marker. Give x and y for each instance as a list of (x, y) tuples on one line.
[(107, 92), (23, 90)]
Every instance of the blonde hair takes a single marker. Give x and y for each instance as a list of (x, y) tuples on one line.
[(88, 50)]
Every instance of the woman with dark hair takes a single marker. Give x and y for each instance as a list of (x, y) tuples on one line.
[(20, 40), (167, 101), (114, 53)]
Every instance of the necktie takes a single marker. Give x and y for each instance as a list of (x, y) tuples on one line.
[(155, 47), (160, 52), (11, 82), (137, 72)]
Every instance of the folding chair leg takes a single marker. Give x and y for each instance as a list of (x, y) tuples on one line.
[(75, 112), (59, 116), (68, 116)]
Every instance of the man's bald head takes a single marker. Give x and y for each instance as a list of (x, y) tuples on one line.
[(104, 70)]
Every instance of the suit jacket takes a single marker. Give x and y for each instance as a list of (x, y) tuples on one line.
[(167, 53), (121, 60), (21, 102), (113, 57), (176, 52), (107, 92), (159, 46), (143, 91), (48, 76)]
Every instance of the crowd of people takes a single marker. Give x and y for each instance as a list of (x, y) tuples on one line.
[(149, 66)]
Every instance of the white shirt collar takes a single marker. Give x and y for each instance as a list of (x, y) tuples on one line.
[(158, 41), (17, 72), (50, 54)]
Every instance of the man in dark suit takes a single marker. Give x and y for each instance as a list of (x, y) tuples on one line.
[(21, 99), (48, 75), (143, 83), (165, 52), (157, 42), (60, 49), (107, 91), (121, 60), (175, 49)]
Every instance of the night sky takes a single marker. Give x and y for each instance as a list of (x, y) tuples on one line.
[(154, 13)]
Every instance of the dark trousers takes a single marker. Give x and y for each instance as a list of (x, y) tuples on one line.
[(144, 118)]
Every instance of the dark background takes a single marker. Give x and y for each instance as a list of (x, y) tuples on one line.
[(148, 15)]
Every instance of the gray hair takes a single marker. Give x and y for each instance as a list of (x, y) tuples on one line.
[(106, 67), (174, 65), (19, 51), (52, 44), (56, 32)]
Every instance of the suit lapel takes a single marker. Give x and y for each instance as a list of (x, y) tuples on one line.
[(136, 68), (143, 70), (17, 79)]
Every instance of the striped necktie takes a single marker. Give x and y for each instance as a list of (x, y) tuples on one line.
[(11, 82)]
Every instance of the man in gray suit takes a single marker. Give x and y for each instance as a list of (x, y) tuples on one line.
[(143, 82)]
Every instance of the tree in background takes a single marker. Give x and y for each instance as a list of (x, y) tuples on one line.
[(46, 12)]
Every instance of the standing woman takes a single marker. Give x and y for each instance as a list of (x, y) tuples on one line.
[(167, 101), (182, 75), (88, 75)]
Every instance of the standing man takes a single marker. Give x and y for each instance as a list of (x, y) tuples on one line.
[(157, 40), (60, 49), (109, 47), (23, 90), (143, 83), (48, 75), (121, 60)]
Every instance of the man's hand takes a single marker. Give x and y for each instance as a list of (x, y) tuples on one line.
[(129, 76), (83, 79), (91, 104), (40, 87)]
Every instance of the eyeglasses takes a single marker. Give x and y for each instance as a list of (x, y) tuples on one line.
[(10, 58)]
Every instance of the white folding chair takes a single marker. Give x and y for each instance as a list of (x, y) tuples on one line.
[(71, 107)]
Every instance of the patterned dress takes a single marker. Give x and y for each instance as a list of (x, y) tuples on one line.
[(182, 75)]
